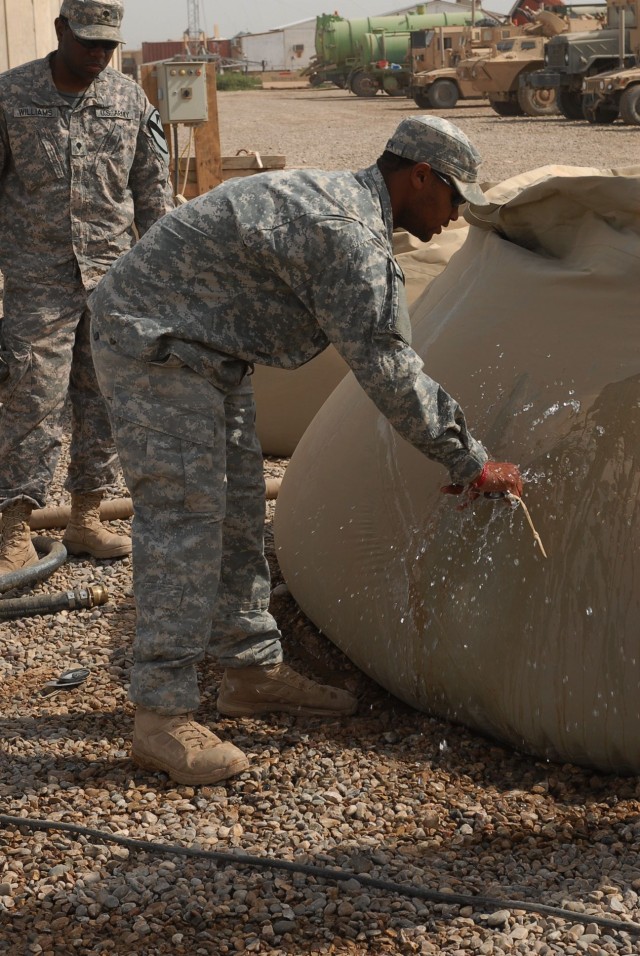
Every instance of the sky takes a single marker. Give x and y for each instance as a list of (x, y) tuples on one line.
[(168, 19)]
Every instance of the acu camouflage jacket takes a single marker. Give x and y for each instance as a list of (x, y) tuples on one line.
[(271, 270), (73, 184)]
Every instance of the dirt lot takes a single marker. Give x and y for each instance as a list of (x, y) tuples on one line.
[(335, 130), (390, 795)]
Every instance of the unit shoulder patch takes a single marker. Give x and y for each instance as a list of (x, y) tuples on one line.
[(156, 132)]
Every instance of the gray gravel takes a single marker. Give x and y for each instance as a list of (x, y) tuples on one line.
[(390, 794)]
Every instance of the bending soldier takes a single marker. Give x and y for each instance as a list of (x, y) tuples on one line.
[(268, 270)]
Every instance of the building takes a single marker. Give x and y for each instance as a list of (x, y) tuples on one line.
[(290, 47)]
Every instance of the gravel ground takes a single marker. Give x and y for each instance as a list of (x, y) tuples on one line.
[(389, 794)]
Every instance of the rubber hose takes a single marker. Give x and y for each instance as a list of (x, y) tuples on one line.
[(332, 874), (111, 509), (51, 603), (56, 554)]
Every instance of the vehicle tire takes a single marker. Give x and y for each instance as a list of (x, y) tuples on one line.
[(535, 102), (598, 114), (363, 84), (570, 105), (443, 95), (506, 107), (422, 101), (630, 106), (391, 87)]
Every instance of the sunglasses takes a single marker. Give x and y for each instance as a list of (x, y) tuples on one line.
[(457, 198), (108, 45)]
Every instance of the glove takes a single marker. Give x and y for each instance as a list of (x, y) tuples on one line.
[(496, 478)]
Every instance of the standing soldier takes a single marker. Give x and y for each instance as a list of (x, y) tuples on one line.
[(83, 163)]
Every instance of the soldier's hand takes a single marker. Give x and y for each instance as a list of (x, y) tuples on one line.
[(496, 478)]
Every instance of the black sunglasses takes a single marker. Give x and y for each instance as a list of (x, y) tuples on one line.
[(457, 198), (109, 45)]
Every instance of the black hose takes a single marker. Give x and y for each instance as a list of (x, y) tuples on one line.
[(56, 554), (50, 603), (332, 874)]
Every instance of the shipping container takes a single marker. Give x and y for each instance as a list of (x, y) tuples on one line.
[(167, 49)]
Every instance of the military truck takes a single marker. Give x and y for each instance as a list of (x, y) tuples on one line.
[(615, 93), (498, 74), (435, 54), (385, 60), (337, 40), (584, 51)]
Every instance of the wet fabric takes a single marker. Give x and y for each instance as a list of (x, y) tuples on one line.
[(533, 324)]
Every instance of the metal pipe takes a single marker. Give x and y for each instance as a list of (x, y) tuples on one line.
[(111, 509)]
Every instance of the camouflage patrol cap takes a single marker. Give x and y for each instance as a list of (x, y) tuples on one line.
[(430, 139), (94, 19)]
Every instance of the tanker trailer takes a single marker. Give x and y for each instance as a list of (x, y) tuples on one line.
[(337, 40), (385, 64)]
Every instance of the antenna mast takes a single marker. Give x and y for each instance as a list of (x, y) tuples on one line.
[(195, 43)]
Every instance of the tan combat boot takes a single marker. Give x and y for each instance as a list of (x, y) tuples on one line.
[(246, 691), (16, 549), (187, 751), (86, 534)]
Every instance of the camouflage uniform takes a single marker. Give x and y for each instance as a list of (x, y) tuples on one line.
[(73, 185), (268, 271)]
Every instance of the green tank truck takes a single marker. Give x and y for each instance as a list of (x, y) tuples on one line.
[(587, 49), (435, 55), (338, 55), (616, 93)]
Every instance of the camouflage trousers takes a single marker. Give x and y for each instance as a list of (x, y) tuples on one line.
[(45, 354), (193, 466)]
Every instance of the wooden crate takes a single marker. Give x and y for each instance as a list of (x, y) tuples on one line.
[(244, 164)]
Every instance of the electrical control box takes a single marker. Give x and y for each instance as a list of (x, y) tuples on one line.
[(182, 91)]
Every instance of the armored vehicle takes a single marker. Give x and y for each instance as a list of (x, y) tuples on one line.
[(435, 54), (586, 50), (498, 77)]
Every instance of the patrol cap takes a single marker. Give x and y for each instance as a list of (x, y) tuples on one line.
[(94, 19), (430, 139)]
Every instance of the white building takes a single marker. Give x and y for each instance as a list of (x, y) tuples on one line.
[(290, 47)]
